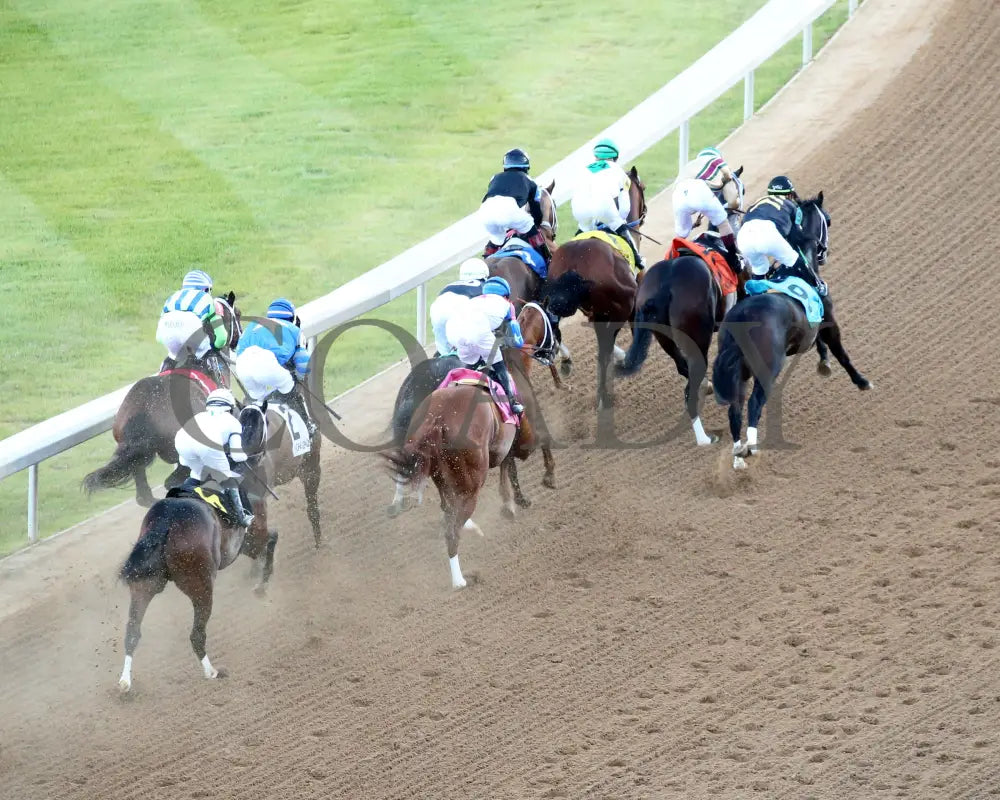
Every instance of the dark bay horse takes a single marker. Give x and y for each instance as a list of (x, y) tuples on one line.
[(525, 284), (762, 330), (181, 539), (591, 276), (457, 437), (152, 412), (283, 458)]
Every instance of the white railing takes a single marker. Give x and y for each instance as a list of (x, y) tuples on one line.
[(670, 109)]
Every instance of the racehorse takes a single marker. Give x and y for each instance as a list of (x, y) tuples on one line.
[(458, 439), (152, 412), (679, 303), (772, 326), (525, 284), (532, 433), (182, 539), (591, 276), (284, 458)]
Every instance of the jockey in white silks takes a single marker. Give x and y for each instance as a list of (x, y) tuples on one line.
[(473, 331), (602, 199), (454, 297), (211, 453)]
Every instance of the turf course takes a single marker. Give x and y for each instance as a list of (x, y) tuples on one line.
[(284, 147)]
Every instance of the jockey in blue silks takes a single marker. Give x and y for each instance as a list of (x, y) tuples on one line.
[(272, 361)]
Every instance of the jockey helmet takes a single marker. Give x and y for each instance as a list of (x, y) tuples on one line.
[(497, 285), (220, 399), (473, 269), (281, 309), (516, 159), (605, 150), (780, 185), (197, 279), (710, 151)]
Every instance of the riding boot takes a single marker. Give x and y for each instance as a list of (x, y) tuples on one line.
[(296, 401), (502, 376), (731, 255), (190, 484), (168, 363), (245, 517), (624, 232)]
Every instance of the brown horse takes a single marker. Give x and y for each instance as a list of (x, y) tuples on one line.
[(589, 275), (181, 539), (459, 437), (152, 412), (525, 284), (284, 458)]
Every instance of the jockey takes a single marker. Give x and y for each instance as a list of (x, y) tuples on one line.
[(473, 331), (694, 194), (513, 202), (767, 228), (602, 199), (187, 313), (455, 296), (221, 454), (271, 359)]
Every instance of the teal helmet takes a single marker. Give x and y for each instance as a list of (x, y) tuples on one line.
[(496, 285), (709, 151), (605, 150)]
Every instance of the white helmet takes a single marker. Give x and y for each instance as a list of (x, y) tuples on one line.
[(220, 399), (473, 269)]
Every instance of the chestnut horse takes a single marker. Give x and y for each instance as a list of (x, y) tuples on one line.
[(589, 275), (459, 437), (149, 417), (525, 284), (182, 539)]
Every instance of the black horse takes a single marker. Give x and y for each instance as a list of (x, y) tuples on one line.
[(761, 330)]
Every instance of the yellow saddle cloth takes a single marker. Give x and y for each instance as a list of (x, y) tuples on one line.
[(617, 242)]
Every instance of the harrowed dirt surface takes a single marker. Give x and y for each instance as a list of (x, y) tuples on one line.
[(823, 625)]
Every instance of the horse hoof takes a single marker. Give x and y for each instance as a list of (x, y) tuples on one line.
[(523, 501), (459, 584), (739, 463), (549, 481), (260, 589), (707, 388), (866, 386), (823, 368), (145, 500), (507, 512), (124, 686), (712, 439), (221, 672), (394, 511), (566, 367)]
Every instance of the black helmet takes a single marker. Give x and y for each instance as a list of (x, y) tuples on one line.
[(516, 159), (780, 185)]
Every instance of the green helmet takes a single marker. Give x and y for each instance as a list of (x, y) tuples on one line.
[(605, 150)]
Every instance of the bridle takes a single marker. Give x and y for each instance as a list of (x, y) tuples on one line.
[(544, 351)]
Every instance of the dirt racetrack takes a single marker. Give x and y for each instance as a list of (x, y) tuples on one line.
[(824, 625)]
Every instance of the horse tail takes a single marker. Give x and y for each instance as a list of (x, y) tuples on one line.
[(412, 462), (727, 372), (133, 450), (147, 558), (641, 337)]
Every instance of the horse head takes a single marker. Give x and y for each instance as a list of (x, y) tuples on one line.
[(550, 218), (815, 230), (231, 316), (253, 422), (637, 196), (732, 190)]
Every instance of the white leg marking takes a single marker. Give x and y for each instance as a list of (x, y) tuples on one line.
[(737, 448), (739, 463), (397, 498), (125, 681), (752, 440), (699, 433), (472, 526), (457, 579), (210, 671), (619, 355), (564, 351)]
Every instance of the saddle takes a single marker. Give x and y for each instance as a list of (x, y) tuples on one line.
[(211, 493), (713, 259), (463, 376), (515, 247), (613, 239)]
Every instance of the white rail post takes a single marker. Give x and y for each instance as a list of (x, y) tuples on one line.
[(807, 44), (683, 145), (748, 96), (33, 503), (422, 313), (852, 6)]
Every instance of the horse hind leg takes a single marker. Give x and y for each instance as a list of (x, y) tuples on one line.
[(755, 409), (510, 485), (823, 367), (310, 482), (831, 336), (198, 587), (736, 430), (143, 591)]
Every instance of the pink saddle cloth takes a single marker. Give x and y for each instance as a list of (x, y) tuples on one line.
[(464, 375)]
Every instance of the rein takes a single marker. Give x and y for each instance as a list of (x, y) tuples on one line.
[(543, 351)]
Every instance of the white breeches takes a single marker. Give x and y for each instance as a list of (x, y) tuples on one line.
[(261, 374), (473, 338), (202, 458), (758, 239), (591, 209), (690, 198), (443, 308), (181, 331), (499, 214)]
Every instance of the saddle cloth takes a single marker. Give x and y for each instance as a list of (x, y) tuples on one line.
[(797, 289), (617, 242), (301, 441), (471, 377), (518, 248)]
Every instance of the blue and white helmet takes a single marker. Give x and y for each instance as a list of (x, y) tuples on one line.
[(497, 285), (281, 309), (197, 279)]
